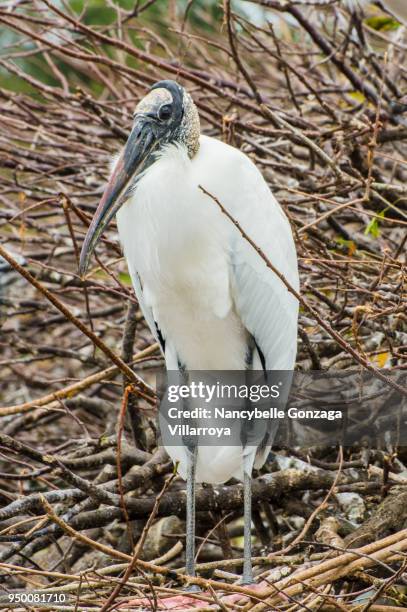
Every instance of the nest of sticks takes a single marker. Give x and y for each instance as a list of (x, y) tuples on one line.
[(91, 511)]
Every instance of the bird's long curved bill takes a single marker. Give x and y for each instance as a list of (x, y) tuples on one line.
[(139, 145)]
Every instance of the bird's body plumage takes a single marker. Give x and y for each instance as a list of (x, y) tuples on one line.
[(201, 286)]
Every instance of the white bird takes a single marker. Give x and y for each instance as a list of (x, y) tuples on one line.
[(206, 294)]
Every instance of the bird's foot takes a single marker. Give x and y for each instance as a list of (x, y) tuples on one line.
[(247, 577), (246, 581)]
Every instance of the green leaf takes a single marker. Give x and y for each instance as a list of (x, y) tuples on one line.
[(125, 278), (373, 227), (382, 23)]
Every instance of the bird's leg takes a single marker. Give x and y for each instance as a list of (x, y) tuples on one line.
[(190, 523), (247, 577), (191, 453)]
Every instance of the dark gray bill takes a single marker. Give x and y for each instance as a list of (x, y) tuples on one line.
[(138, 147)]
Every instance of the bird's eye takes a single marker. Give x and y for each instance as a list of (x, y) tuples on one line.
[(165, 112)]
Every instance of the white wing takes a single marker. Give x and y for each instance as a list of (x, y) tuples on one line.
[(267, 309), (265, 306)]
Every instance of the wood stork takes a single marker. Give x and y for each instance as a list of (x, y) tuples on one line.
[(205, 293)]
